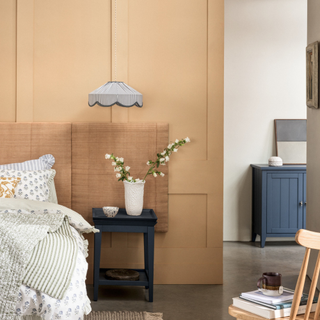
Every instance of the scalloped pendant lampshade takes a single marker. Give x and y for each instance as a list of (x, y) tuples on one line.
[(115, 92)]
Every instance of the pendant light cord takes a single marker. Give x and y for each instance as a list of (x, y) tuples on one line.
[(115, 40)]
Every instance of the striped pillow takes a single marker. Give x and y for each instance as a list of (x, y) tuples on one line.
[(43, 163)]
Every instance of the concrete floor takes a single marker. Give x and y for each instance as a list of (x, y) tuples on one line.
[(244, 262)]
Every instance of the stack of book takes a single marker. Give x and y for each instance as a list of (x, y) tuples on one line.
[(271, 307)]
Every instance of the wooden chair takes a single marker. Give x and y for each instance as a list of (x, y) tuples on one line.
[(309, 240)]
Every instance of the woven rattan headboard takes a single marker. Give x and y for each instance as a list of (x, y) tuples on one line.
[(88, 180)]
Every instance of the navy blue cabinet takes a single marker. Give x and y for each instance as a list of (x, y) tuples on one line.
[(278, 201)]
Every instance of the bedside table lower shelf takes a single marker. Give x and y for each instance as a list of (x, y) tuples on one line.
[(143, 279)]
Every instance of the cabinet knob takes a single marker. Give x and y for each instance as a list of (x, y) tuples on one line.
[(300, 203)]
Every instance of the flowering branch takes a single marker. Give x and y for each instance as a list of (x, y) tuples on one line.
[(163, 157)]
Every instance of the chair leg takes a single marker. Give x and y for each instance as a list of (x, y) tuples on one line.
[(313, 289), (300, 284)]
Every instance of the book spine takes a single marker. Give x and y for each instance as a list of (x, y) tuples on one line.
[(260, 303), (278, 306), (288, 305), (254, 308), (301, 310), (267, 312)]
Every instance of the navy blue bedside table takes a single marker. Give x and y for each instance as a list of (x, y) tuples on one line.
[(124, 223)]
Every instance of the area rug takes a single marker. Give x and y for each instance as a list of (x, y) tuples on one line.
[(123, 315)]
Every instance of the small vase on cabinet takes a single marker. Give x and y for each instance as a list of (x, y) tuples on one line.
[(133, 196)]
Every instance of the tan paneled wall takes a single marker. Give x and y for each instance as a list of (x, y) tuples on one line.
[(172, 52), (8, 59), (71, 58)]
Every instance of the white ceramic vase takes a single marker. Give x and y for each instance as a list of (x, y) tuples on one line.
[(133, 196)]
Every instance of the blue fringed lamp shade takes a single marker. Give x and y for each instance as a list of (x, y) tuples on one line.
[(115, 92)]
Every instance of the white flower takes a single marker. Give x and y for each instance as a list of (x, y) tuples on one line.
[(175, 150), (167, 158), (163, 153), (117, 169), (129, 178), (177, 141), (148, 163), (118, 175), (121, 159), (162, 159), (114, 163), (117, 158), (187, 139), (138, 180), (169, 146), (161, 174), (154, 174), (127, 168), (108, 156)]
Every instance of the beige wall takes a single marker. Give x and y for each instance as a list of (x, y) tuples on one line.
[(265, 44), (55, 52)]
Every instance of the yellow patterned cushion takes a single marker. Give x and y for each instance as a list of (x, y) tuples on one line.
[(7, 186)]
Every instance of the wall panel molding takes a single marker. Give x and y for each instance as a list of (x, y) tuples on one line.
[(8, 50), (24, 76)]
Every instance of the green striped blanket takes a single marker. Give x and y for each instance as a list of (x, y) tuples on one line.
[(22, 240), (52, 262)]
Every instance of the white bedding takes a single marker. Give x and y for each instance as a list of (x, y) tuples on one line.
[(33, 304), (75, 303)]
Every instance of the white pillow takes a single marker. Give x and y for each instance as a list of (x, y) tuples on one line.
[(75, 219), (33, 184), (45, 162)]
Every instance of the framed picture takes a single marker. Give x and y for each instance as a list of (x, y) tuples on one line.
[(291, 140), (312, 75)]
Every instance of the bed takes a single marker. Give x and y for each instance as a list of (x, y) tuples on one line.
[(71, 303), (43, 252), (37, 141), (76, 167), (43, 256)]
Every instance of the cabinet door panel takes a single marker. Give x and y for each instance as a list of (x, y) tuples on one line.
[(284, 214)]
